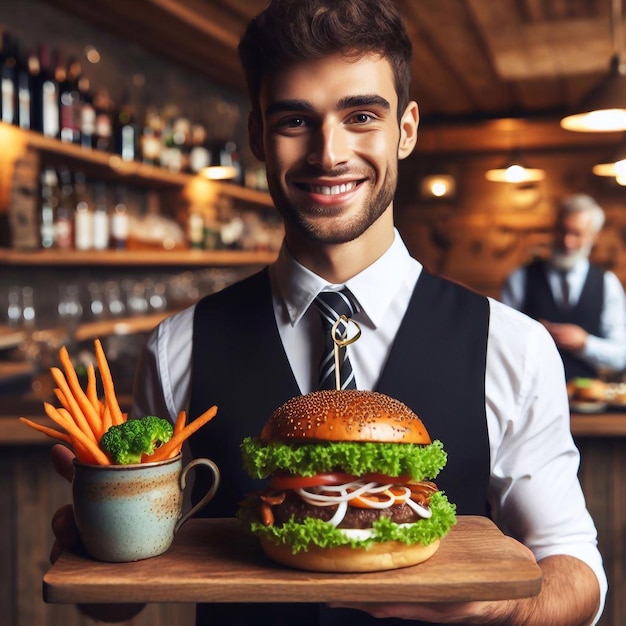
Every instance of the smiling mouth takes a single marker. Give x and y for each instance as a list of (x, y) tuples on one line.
[(328, 190)]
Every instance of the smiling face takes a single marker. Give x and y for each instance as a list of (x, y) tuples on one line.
[(330, 139)]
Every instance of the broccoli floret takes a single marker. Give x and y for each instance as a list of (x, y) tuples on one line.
[(125, 443)]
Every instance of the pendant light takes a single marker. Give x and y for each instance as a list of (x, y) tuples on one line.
[(614, 167), (604, 109), (515, 171)]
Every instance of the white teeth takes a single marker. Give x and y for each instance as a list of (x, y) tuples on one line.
[(326, 190)]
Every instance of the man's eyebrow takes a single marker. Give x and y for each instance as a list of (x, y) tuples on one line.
[(349, 102), (284, 106)]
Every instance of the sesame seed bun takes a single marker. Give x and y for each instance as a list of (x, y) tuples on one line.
[(346, 415)]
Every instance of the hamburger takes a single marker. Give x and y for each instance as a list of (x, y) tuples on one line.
[(587, 390), (350, 484)]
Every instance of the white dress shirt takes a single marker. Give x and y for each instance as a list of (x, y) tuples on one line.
[(607, 351), (534, 491)]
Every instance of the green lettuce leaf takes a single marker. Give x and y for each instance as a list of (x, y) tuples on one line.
[(420, 462), (319, 533)]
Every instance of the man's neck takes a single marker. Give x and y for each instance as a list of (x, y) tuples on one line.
[(337, 263)]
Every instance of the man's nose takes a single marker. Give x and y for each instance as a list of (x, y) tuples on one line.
[(329, 147)]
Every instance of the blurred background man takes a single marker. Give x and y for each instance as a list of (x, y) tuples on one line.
[(582, 306)]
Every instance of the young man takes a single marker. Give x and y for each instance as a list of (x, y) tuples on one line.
[(582, 306), (331, 116)]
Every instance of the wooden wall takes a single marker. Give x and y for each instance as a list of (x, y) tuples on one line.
[(488, 229), (602, 474)]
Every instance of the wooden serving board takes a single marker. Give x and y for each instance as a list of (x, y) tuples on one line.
[(216, 561)]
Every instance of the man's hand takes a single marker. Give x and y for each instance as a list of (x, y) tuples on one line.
[(567, 336), (569, 597)]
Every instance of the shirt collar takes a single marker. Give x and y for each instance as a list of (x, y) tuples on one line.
[(374, 287)]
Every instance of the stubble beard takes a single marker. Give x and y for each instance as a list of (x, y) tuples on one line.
[(331, 231)]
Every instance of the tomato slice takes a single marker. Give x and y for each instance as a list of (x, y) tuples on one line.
[(290, 481), (384, 479)]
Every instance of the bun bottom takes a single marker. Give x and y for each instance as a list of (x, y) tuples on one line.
[(380, 556)]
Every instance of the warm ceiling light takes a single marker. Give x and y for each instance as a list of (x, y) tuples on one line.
[(438, 186), (604, 109), (615, 167), (514, 172)]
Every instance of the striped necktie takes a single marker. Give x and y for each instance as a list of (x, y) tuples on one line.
[(332, 305)]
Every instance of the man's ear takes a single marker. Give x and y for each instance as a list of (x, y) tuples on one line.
[(255, 136), (408, 130)]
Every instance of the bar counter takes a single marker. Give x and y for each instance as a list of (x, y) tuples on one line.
[(34, 491)]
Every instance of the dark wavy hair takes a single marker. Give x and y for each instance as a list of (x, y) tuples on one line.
[(292, 30)]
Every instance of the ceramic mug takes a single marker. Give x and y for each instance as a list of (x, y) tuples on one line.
[(132, 512)]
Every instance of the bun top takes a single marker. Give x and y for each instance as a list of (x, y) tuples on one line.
[(346, 415)]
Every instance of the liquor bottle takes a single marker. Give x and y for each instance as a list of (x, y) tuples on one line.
[(104, 121), (69, 107), (35, 89), (126, 132), (47, 105), (171, 153), (195, 230), (87, 114), (151, 138), (100, 219), (64, 219), (8, 100), (22, 87), (83, 215), (120, 223), (49, 204), (199, 156)]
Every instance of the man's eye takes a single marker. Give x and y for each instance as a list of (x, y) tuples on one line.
[(293, 122), (361, 118)]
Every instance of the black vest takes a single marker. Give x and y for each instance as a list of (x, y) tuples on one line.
[(436, 366), (539, 303)]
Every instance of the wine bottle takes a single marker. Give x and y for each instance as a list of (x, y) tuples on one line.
[(151, 138), (49, 204), (8, 100), (126, 132), (83, 215), (47, 105), (22, 87), (35, 88), (87, 113), (64, 219), (69, 107), (104, 121), (101, 226)]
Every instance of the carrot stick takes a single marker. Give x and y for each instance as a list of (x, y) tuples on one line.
[(77, 434), (106, 418), (181, 420), (171, 447), (46, 430), (64, 419), (107, 384), (61, 398), (92, 390), (73, 408), (85, 406)]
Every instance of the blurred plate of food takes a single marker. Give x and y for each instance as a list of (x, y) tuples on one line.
[(587, 395)]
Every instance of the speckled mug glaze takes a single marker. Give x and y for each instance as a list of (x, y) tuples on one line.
[(132, 512)]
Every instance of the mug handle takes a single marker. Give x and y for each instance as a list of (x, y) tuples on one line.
[(209, 494)]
